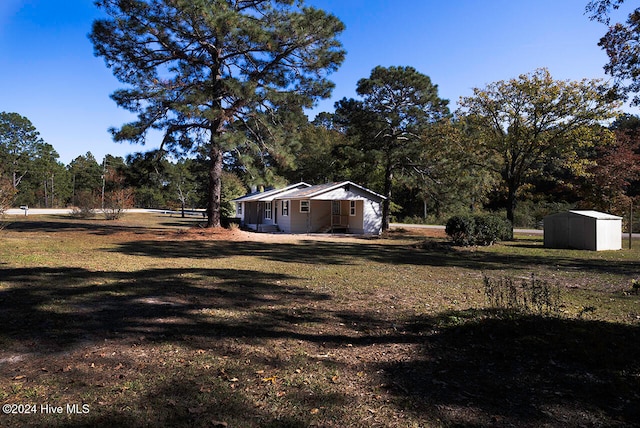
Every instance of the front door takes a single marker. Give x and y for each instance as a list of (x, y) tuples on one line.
[(335, 213)]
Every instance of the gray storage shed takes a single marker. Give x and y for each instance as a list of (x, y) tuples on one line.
[(583, 230)]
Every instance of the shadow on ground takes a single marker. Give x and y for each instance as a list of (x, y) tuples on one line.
[(90, 226), (481, 368), (61, 307), (343, 252), (473, 368)]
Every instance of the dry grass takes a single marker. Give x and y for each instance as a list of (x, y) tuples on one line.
[(153, 321)]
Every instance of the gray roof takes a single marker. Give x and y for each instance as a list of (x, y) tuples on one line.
[(270, 195), (305, 191), (320, 189)]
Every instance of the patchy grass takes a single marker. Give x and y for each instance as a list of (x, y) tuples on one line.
[(148, 322)]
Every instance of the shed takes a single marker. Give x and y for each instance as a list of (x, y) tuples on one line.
[(583, 230)]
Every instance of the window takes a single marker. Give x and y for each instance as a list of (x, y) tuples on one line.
[(267, 210), (285, 208), (239, 208), (304, 207), (352, 208)]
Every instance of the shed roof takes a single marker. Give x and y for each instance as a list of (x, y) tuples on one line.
[(588, 213), (596, 214)]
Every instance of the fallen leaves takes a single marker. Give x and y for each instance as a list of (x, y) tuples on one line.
[(271, 379)]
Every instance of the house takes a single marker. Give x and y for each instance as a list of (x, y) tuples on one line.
[(302, 208), (583, 230)]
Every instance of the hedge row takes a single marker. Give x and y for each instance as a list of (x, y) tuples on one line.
[(484, 230)]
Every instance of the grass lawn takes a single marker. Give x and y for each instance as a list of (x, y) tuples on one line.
[(150, 321)]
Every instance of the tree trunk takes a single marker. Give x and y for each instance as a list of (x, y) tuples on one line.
[(511, 205), (386, 204), (53, 191), (424, 208), (215, 186)]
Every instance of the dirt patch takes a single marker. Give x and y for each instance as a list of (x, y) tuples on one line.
[(234, 235)]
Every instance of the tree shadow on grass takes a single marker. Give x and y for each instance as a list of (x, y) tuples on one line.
[(184, 400), (345, 253), (57, 308), (95, 227), (472, 368), (479, 368)]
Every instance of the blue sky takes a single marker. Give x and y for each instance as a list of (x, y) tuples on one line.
[(48, 72)]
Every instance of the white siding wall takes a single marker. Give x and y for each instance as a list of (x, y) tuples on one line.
[(609, 235), (355, 222), (297, 221), (372, 217), (240, 215), (284, 221), (263, 219)]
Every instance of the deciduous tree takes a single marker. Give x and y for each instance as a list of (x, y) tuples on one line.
[(616, 167), (7, 193), (523, 124), (622, 45), (199, 69)]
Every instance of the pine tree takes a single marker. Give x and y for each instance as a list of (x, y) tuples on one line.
[(210, 73)]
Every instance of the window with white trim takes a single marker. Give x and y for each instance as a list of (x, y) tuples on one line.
[(304, 207), (239, 208), (267, 210), (352, 208), (285, 208)]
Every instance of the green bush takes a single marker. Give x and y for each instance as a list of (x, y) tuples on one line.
[(460, 229), (483, 230)]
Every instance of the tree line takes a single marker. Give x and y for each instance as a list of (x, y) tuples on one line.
[(228, 82)]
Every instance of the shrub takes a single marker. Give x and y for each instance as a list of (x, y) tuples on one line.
[(461, 230), (116, 202), (491, 228), (7, 194), (478, 229), (527, 296), (86, 203)]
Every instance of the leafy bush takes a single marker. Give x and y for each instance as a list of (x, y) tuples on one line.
[(478, 230), (461, 229), (491, 229)]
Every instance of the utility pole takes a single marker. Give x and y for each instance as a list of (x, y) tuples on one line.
[(104, 173), (630, 222)]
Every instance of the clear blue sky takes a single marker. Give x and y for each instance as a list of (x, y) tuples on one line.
[(48, 72)]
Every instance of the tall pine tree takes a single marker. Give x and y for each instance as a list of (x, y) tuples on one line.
[(201, 69)]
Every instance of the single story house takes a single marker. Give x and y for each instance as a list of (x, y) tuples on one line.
[(583, 230), (302, 208)]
